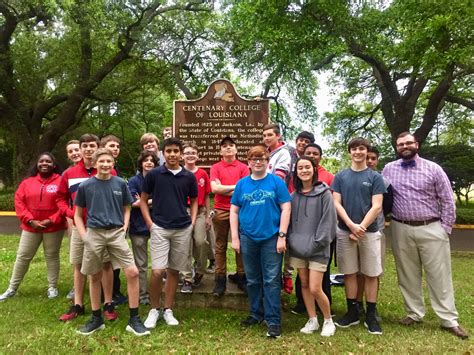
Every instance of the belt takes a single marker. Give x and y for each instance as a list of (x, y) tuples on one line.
[(417, 223)]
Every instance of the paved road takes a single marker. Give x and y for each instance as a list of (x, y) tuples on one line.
[(462, 239)]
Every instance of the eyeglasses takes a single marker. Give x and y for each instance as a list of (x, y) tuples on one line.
[(258, 160), (400, 145)]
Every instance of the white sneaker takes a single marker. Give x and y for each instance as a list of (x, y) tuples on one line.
[(310, 326), (329, 328), (70, 294), (53, 292), (152, 318), (7, 294), (169, 317)]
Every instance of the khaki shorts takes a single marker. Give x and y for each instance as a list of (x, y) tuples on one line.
[(169, 248), (364, 256), (100, 244), (298, 263), (76, 247)]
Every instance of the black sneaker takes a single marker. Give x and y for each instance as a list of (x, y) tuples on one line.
[(274, 331), (219, 288), (94, 324), (373, 325), (197, 279), (135, 326), (349, 319), (299, 309), (119, 299), (249, 321), (242, 283), (234, 278)]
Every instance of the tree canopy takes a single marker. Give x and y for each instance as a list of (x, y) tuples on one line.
[(67, 67), (62, 60), (396, 64)]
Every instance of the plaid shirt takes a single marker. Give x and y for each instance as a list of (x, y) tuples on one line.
[(421, 192)]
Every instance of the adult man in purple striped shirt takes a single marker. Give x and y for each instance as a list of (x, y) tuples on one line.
[(422, 217)]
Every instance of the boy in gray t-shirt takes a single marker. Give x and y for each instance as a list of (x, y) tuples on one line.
[(107, 200), (358, 195)]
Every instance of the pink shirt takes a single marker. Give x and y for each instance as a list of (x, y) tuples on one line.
[(421, 192), (227, 174)]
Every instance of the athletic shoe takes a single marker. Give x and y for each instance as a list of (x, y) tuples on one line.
[(70, 294), (197, 279), (328, 328), (220, 286), (7, 294), (73, 312), (169, 317), (299, 309), (311, 326), (348, 320), (53, 292), (234, 278), (119, 299), (288, 284), (94, 324), (372, 325), (211, 267), (152, 318), (187, 287), (250, 321), (136, 327), (242, 283), (274, 331), (109, 312), (145, 300)]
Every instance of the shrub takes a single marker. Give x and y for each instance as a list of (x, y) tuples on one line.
[(7, 202), (465, 215)]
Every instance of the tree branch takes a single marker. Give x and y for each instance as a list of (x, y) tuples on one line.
[(460, 101), (325, 61), (41, 108), (435, 104)]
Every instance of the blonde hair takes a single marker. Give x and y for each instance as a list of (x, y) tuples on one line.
[(100, 152), (148, 137)]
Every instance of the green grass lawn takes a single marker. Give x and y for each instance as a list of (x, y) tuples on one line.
[(29, 321)]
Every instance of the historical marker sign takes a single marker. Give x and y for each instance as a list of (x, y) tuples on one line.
[(220, 112)]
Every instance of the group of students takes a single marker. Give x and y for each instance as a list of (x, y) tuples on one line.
[(286, 205)]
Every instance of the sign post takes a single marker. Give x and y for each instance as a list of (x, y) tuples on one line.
[(219, 113)]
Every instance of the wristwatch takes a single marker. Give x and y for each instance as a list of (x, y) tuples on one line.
[(281, 235)]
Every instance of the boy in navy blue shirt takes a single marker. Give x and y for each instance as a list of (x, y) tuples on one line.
[(170, 186)]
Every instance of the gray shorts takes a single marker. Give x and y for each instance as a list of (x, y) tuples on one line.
[(364, 256), (169, 248)]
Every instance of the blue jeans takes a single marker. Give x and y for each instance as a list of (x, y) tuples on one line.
[(262, 266)]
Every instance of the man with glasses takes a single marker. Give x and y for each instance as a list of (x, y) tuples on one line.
[(423, 214)]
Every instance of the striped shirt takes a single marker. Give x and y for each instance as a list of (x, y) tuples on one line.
[(421, 192)]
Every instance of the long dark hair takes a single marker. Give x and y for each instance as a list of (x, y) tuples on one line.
[(297, 183), (34, 167)]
